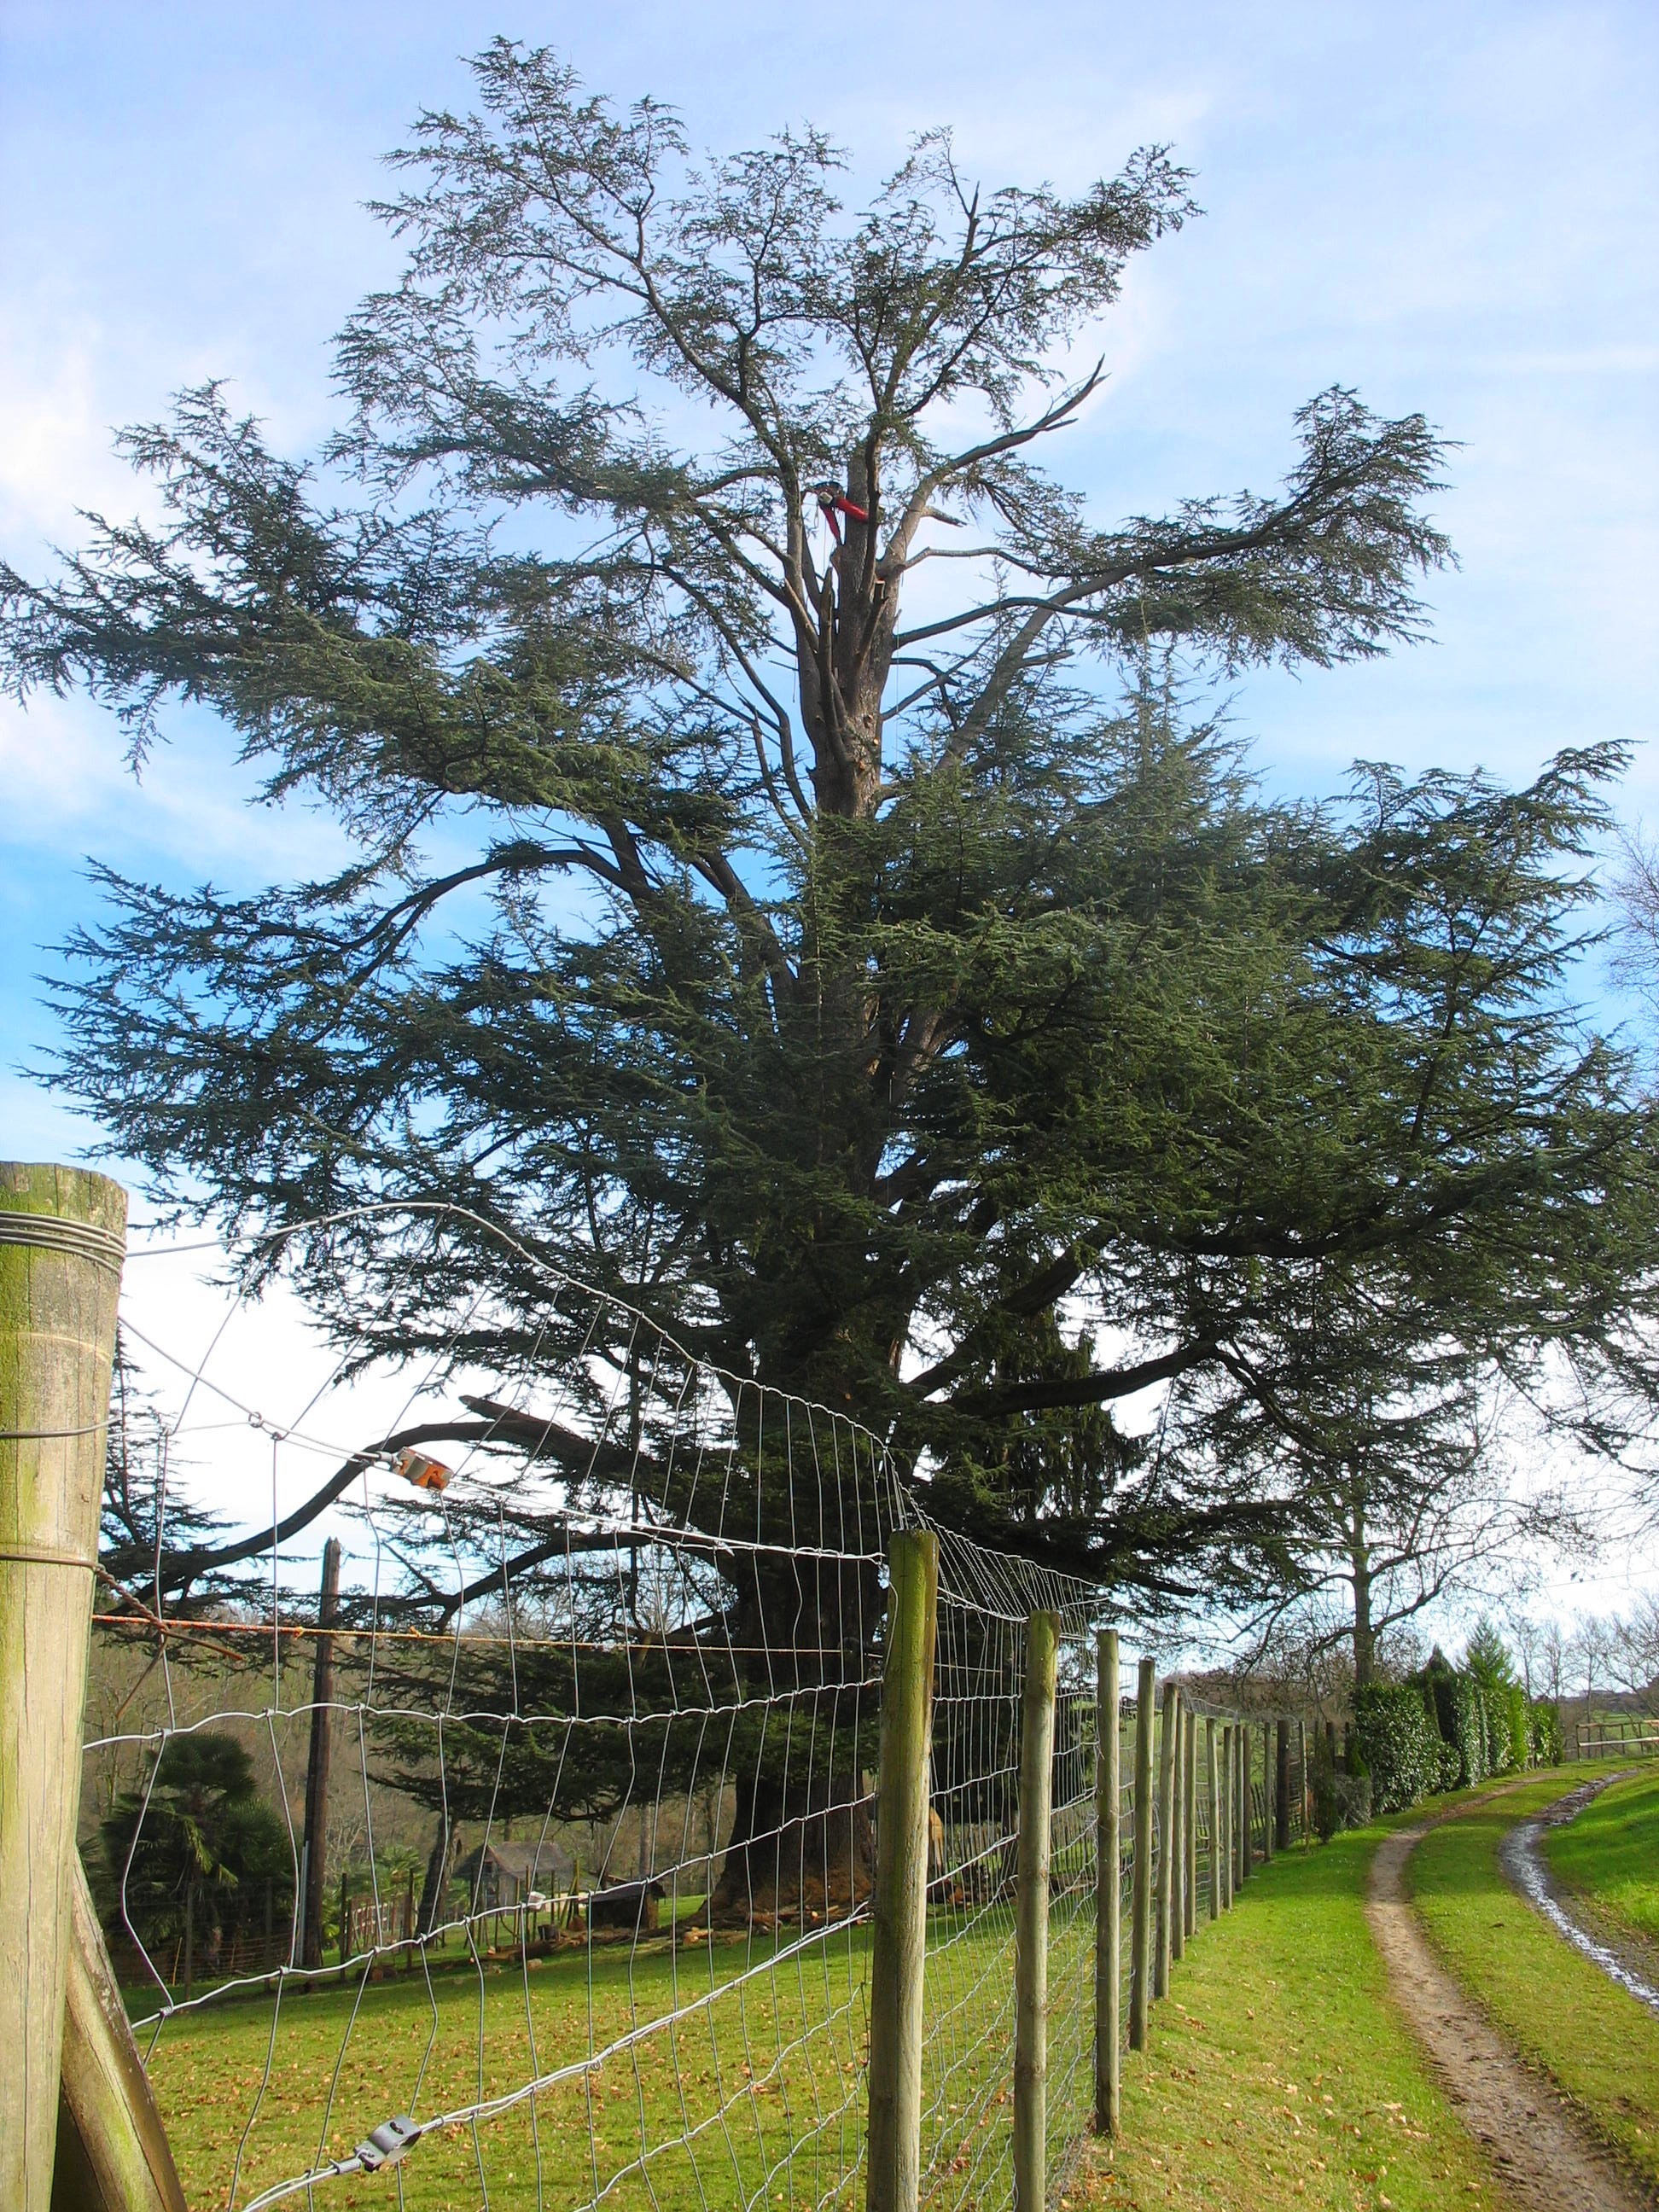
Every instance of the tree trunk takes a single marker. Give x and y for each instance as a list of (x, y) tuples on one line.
[(798, 1852), (440, 1861), (1364, 1639), (801, 1847)]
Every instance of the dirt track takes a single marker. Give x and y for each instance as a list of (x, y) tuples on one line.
[(1545, 2162)]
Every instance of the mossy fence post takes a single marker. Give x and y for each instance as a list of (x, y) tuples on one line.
[(1269, 1793), (1109, 1887), (1169, 1844), (1242, 1800), (899, 1915), (1037, 1774), (1140, 1900), (79, 2129), (1189, 1823), (1228, 1757)]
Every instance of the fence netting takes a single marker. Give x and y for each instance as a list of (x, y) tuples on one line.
[(542, 1815)]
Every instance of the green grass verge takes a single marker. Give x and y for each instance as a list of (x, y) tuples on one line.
[(1278, 2072), (1559, 2011), (1608, 1858), (307, 2081), (747, 2085)]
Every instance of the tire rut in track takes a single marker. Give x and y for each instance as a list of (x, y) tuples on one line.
[(1545, 2161)]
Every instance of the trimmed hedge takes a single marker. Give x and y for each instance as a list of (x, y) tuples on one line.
[(1519, 1750), (1441, 1731), (1548, 1746), (1400, 1744), (1461, 1711)]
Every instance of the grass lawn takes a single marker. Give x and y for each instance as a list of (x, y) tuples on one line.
[(669, 2122), (1280, 2074), (1608, 1858), (1562, 2012)]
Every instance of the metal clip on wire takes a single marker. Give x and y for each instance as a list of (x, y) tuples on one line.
[(387, 2143)]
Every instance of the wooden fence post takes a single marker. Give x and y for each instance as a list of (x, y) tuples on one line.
[(63, 1237), (113, 2151), (1166, 1840), (1269, 1793), (1282, 1786), (1036, 1776), (1228, 1757), (1241, 1799), (317, 1765), (899, 1911), (1177, 1943), (1212, 1766), (1109, 1887), (1140, 1902), (1189, 1823), (1302, 1775)]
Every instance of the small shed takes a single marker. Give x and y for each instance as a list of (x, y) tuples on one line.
[(501, 1875), (633, 1906)]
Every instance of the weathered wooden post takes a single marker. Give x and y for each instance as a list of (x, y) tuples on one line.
[(1189, 1824), (1302, 1772), (62, 1239), (1269, 1793), (113, 2152), (1282, 1786), (1178, 1838), (1140, 1899), (899, 1911), (1108, 1887), (1228, 1758), (1241, 1799), (317, 1767), (1036, 1773), (1212, 1766), (1166, 1855)]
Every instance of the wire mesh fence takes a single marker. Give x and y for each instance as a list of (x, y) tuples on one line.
[(531, 1857)]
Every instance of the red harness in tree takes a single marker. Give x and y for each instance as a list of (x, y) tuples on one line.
[(833, 503)]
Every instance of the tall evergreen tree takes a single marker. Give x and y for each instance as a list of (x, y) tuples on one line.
[(838, 964)]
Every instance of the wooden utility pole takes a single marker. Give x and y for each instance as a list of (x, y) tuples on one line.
[(63, 1238), (899, 1910), (1141, 1899), (322, 1736), (1108, 1887), (1036, 1768), (1213, 1766)]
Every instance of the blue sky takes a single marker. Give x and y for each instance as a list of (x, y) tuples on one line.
[(1450, 208)]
